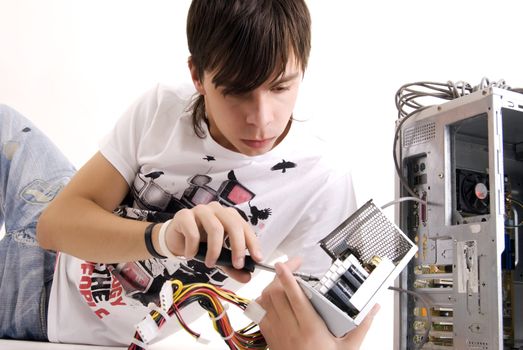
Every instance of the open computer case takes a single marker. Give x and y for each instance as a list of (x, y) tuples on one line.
[(464, 160)]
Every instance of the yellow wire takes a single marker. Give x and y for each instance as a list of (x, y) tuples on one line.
[(181, 290)]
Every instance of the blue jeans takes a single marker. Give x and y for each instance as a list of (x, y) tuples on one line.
[(32, 172)]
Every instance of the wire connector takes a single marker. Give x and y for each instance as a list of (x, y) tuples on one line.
[(148, 329), (140, 344), (255, 312), (166, 296)]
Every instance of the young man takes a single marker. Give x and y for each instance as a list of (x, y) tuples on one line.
[(228, 165)]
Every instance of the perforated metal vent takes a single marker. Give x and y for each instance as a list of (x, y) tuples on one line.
[(418, 134), (366, 233)]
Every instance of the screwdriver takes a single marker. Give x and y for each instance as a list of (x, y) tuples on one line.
[(225, 259)]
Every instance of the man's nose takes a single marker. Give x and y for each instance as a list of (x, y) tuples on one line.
[(260, 111)]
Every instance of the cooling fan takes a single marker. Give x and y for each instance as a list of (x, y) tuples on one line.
[(472, 192)]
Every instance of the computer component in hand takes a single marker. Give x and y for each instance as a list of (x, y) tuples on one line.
[(368, 252)]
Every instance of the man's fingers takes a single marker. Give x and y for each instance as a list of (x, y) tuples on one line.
[(298, 300), (185, 227), (233, 225), (212, 222), (283, 306), (293, 264), (251, 240), (214, 231)]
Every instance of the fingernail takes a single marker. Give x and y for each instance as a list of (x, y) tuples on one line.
[(256, 254), (278, 269), (240, 261), (375, 310)]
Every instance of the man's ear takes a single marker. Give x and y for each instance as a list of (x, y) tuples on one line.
[(198, 84)]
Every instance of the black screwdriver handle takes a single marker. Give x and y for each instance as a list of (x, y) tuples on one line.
[(225, 258)]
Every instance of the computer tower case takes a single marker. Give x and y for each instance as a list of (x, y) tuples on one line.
[(464, 159)]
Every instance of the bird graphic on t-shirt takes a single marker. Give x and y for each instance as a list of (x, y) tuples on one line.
[(283, 166), (209, 158), (257, 214), (155, 174)]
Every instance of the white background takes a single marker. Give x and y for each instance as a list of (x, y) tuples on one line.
[(74, 66)]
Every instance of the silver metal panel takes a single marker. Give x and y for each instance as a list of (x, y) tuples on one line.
[(465, 158)]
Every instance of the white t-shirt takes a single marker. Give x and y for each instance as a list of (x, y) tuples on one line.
[(293, 196)]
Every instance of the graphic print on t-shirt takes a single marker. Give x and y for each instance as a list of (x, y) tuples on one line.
[(283, 166), (258, 214), (209, 158), (99, 289), (148, 201)]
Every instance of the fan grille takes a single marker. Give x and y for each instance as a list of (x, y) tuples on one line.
[(366, 233), (468, 200)]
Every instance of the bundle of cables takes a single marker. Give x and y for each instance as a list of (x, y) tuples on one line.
[(174, 296), (413, 98)]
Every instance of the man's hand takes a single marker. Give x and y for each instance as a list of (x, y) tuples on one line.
[(213, 223), (291, 321)]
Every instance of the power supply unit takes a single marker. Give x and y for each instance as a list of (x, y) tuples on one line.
[(368, 252)]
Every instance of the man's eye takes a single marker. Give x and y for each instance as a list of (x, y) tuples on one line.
[(280, 88)]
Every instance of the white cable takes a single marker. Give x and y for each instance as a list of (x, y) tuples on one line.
[(162, 239), (403, 199)]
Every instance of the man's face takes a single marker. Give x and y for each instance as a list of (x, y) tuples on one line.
[(254, 122)]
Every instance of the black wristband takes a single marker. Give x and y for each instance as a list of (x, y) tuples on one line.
[(149, 242)]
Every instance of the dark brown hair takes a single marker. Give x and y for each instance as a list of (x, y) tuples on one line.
[(245, 42)]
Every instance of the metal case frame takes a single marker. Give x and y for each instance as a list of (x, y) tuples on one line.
[(479, 132)]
